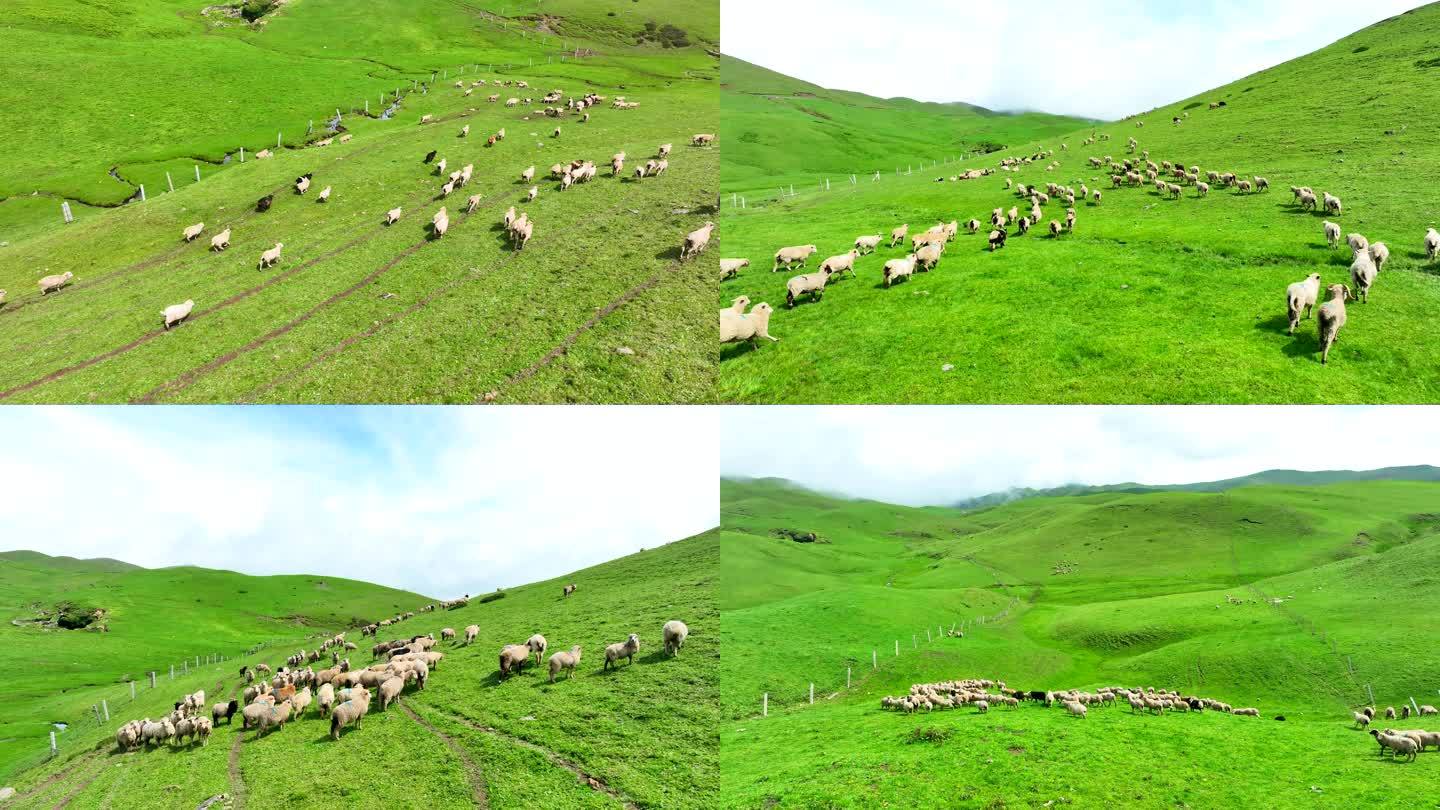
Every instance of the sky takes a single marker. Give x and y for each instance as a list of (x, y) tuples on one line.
[(441, 501), (931, 456), (1092, 58)]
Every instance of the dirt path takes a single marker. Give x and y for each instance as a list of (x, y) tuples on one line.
[(594, 782), (80, 788), (237, 779), (477, 778)]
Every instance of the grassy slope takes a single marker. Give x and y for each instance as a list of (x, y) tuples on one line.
[(1151, 300), (1143, 602), (156, 618), (357, 312), (648, 732), (780, 130)]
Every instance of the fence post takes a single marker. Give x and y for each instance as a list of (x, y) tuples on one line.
[(169, 182), (847, 677), (873, 664), (197, 172), (812, 696), (172, 672), (197, 661), (152, 679), (1415, 706), (142, 192), (65, 212), (764, 705), (184, 667), (897, 647), (242, 154), (97, 712), (927, 636), (52, 744), (914, 644)]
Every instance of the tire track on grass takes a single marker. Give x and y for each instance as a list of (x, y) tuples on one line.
[(59, 775), (472, 770), (593, 782), (80, 788)]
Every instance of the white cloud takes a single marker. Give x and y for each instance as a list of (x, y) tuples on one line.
[(939, 455), (1095, 58), (436, 500)]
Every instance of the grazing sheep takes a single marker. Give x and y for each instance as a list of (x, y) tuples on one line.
[(1332, 234), (565, 660), (447, 634), (537, 645), (1398, 744), (1300, 299), (730, 268), (1202, 189), (50, 284), (1379, 254), (1426, 708), (674, 632), (324, 195), (624, 649), (471, 632), (175, 313), (193, 231), (812, 283), (392, 216), (353, 710), (838, 265), (389, 690), (1362, 273), (271, 256), (1432, 244), (787, 256), (1389, 712), (896, 269), (569, 589), (275, 715), (513, 657), (735, 326)]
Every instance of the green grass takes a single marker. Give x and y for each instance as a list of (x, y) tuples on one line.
[(1102, 589), (646, 732), (1150, 300), (155, 618), (357, 312)]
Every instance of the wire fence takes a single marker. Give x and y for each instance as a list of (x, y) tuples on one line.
[(844, 182)]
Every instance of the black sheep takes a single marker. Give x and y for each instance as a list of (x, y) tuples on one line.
[(430, 156), (264, 204)]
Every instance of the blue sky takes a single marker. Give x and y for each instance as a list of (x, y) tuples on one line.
[(923, 456), (438, 500), (1092, 58)]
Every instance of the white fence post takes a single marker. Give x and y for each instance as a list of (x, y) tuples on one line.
[(927, 635), (142, 192), (169, 182), (152, 679), (52, 744), (65, 212), (197, 172), (132, 690), (873, 664), (847, 677), (897, 647), (812, 695), (765, 705), (279, 137), (242, 154), (106, 706)]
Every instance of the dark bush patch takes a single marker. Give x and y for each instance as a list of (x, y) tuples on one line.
[(1192, 105), (666, 36), (1428, 63), (1361, 49), (76, 617), (491, 597), (253, 10), (928, 735)]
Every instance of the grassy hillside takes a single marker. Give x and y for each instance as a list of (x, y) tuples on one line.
[(356, 311), (1149, 299), (642, 735), (781, 131), (1286, 477), (152, 619), (1076, 592)]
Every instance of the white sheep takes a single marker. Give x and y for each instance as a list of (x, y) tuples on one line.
[(1362, 273), (566, 661), (897, 236), (175, 313), (324, 195), (812, 283), (1300, 299), (1332, 204), (1379, 254), (896, 269), (392, 216), (730, 268), (624, 649), (843, 263), (528, 175), (271, 256), (1358, 242), (50, 284), (193, 231), (928, 256), (787, 256), (674, 632), (465, 130), (302, 185), (472, 203), (735, 327), (1332, 234), (532, 194), (221, 240), (1432, 244)]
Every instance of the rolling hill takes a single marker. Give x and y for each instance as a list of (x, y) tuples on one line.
[(1149, 299), (152, 618), (355, 311), (1275, 596), (641, 735), (781, 131)]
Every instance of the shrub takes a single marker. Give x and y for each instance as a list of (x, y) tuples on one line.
[(253, 10), (72, 616)]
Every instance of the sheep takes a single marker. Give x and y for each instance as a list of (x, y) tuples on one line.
[(1332, 234), (1024, 223), (263, 204), (787, 256), (1332, 204), (1300, 299), (1432, 244), (1389, 712), (325, 698), (674, 633), (1362, 273), (389, 690), (997, 240), (301, 700), (353, 710), (1308, 200), (896, 269), (193, 231), (527, 175), (509, 218), (50, 284), (175, 313), (470, 633), (556, 133), (532, 194), (697, 241), (1361, 719), (624, 649), (928, 256), (1244, 187), (812, 283), (568, 589), (276, 715), (392, 216), (440, 223), (1379, 254), (1262, 184), (537, 645), (730, 268), (664, 150), (702, 139), (465, 130), (1398, 744), (513, 657), (1076, 708), (302, 184), (660, 167), (982, 706), (271, 256), (1246, 712), (446, 189), (225, 711), (1426, 708), (897, 236), (521, 232), (735, 327), (324, 195), (1055, 228), (1358, 242), (565, 660), (472, 203)]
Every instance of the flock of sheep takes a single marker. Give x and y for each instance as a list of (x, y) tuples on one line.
[(926, 249), (976, 692), (1399, 744), (519, 228), (272, 698)]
